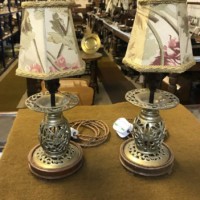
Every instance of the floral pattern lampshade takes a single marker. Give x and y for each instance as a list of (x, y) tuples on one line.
[(48, 45), (160, 39)]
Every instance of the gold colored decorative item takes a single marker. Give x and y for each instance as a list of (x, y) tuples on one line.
[(145, 153), (159, 44), (90, 43), (56, 156), (49, 51)]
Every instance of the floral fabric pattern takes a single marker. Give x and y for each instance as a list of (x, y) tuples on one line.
[(160, 39), (48, 46)]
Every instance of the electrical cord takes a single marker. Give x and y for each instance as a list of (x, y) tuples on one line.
[(97, 132)]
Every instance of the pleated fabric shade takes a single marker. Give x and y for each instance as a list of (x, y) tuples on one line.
[(48, 44), (160, 40)]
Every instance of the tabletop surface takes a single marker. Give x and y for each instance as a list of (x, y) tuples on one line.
[(90, 57), (102, 175)]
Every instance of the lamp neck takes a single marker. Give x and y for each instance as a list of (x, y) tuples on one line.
[(153, 82), (52, 86)]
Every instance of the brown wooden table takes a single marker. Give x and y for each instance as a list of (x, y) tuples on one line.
[(91, 60)]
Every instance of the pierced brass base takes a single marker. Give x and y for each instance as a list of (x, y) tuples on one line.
[(47, 167), (146, 164)]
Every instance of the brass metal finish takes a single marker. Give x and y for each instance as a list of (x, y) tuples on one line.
[(54, 134), (149, 130), (55, 157), (40, 102), (146, 164), (90, 43), (48, 167), (145, 153), (162, 99)]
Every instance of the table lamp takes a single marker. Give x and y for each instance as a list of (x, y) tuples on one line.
[(159, 43), (49, 51)]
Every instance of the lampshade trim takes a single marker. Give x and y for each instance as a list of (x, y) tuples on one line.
[(50, 76), (158, 68), (42, 4), (160, 1)]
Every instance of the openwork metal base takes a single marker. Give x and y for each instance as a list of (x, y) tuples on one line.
[(55, 157), (145, 153), (146, 164), (47, 167)]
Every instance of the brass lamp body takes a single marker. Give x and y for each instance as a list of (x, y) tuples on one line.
[(146, 153), (54, 134), (56, 156)]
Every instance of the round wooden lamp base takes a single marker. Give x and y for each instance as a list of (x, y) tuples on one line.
[(47, 167), (146, 164)]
